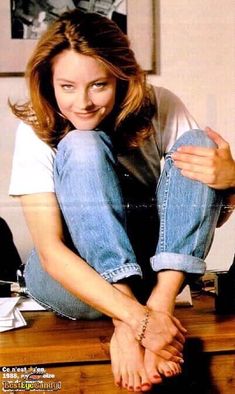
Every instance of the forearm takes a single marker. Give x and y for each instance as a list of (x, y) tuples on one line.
[(85, 283), (44, 220), (165, 291), (124, 288)]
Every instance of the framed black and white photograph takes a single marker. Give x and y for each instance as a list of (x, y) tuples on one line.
[(23, 22)]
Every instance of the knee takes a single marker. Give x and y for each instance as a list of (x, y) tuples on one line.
[(83, 147), (81, 144), (195, 137)]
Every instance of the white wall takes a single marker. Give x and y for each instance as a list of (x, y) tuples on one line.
[(197, 62), (12, 88)]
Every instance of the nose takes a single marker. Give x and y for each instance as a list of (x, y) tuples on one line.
[(82, 100)]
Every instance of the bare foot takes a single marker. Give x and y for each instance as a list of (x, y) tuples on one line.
[(156, 367), (162, 299), (127, 358)]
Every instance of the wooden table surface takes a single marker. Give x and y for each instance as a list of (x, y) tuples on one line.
[(77, 352), (48, 338)]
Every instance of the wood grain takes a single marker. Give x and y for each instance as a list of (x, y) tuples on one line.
[(77, 352)]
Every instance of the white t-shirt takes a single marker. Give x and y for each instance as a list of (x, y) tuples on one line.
[(32, 168)]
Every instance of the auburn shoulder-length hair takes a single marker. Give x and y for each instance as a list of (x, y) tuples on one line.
[(97, 36)]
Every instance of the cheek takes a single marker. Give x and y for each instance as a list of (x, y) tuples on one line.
[(61, 99), (111, 101), (62, 102)]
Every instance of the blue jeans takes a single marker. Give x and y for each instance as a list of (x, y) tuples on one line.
[(90, 197)]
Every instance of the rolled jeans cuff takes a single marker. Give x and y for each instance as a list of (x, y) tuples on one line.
[(178, 262), (124, 271)]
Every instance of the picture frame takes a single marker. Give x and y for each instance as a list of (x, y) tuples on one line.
[(14, 53)]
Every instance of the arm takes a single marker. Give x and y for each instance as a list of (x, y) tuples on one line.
[(165, 291), (44, 221), (215, 167)]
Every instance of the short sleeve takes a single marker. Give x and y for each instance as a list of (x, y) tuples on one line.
[(32, 165), (172, 120)]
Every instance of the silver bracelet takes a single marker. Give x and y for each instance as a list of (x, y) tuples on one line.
[(144, 324)]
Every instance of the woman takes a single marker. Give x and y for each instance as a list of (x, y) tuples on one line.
[(86, 164)]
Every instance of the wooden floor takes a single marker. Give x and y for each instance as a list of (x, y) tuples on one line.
[(77, 353)]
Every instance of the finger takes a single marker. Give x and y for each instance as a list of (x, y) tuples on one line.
[(179, 325), (195, 150), (179, 157), (199, 168), (168, 356), (207, 179), (175, 344), (216, 137), (174, 350)]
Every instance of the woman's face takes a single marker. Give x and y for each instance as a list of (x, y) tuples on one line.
[(84, 89)]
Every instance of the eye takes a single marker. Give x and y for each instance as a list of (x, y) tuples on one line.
[(67, 87), (99, 85)]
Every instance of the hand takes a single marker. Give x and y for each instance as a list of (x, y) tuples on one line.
[(212, 166), (164, 335)]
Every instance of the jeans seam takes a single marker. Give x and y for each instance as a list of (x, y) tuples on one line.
[(200, 224), (126, 269), (163, 212), (49, 308)]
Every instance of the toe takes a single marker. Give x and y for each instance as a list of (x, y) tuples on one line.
[(124, 379), (146, 387), (131, 380), (137, 382)]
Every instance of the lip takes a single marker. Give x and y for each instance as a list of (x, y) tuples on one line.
[(86, 114)]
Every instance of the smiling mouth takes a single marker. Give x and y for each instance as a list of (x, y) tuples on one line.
[(86, 114)]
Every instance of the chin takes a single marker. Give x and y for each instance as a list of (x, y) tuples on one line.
[(85, 127)]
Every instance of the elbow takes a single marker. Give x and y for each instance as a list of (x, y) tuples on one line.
[(47, 257)]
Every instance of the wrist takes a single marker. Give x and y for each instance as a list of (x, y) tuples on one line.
[(136, 317), (168, 285), (162, 303), (143, 326), (132, 309)]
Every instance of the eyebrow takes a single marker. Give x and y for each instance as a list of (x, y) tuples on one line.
[(93, 81)]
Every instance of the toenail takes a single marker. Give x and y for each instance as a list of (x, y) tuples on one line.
[(145, 384)]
